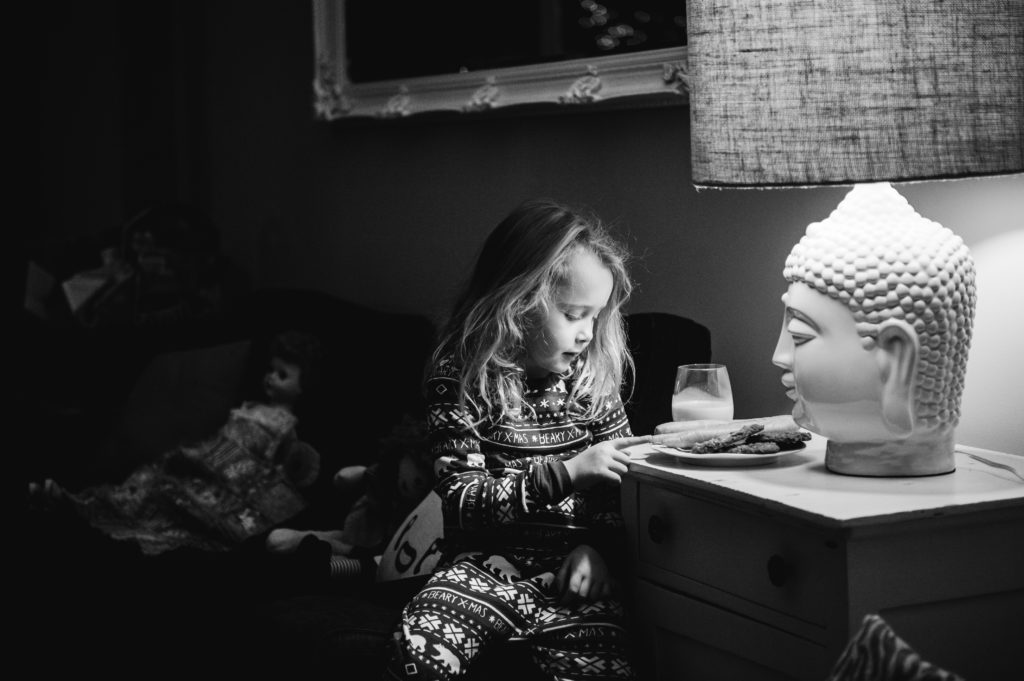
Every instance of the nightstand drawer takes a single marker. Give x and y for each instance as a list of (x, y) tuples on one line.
[(684, 638), (787, 568)]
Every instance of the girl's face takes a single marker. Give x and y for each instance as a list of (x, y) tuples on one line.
[(559, 336), (282, 383)]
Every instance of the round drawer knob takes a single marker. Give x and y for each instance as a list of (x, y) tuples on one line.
[(779, 571), (657, 529)]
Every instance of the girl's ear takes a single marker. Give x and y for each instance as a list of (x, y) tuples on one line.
[(898, 350)]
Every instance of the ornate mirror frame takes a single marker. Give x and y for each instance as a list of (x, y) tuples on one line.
[(639, 78)]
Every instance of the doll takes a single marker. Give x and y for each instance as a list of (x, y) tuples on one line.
[(214, 494)]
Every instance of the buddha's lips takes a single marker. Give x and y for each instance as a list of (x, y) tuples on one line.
[(790, 385)]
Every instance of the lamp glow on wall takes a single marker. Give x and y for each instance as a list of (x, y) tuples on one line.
[(818, 92)]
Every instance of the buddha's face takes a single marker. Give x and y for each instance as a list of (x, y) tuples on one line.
[(835, 383)]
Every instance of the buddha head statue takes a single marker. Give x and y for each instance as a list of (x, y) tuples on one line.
[(874, 340)]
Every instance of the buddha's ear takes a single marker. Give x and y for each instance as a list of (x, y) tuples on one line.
[(898, 348)]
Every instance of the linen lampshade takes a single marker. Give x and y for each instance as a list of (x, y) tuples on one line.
[(808, 92)]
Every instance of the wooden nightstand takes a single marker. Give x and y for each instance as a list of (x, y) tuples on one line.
[(765, 572)]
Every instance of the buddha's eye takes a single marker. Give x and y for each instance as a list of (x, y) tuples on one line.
[(800, 331)]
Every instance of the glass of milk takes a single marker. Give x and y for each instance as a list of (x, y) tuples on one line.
[(702, 391)]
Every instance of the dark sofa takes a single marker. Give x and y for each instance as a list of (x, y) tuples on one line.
[(99, 402), (111, 402)]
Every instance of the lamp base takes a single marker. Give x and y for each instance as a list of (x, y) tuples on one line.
[(912, 457)]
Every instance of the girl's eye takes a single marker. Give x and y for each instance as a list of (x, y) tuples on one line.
[(573, 317)]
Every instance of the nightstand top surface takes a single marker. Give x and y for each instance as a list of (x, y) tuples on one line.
[(800, 484)]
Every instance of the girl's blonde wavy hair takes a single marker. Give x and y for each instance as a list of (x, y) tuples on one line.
[(522, 264)]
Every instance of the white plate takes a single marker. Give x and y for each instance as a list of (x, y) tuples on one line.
[(725, 458)]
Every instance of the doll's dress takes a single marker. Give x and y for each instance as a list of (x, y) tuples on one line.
[(209, 495), (259, 428)]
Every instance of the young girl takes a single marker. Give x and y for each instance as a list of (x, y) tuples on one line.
[(527, 429)]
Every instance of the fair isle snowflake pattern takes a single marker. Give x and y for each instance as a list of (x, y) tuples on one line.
[(478, 584), (429, 622), (450, 623), (548, 616), (503, 492), (526, 604), (590, 665), (452, 632), (620, 667), (568, 505), (444, 417), (558, 661), (457, 574), (505, 513), (505, 592)]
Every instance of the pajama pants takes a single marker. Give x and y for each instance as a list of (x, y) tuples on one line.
[(482, 600)]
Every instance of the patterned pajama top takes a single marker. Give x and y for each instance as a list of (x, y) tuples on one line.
[(504, 487)]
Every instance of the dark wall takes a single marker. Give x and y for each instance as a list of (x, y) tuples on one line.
[(212, 103), (120, 110)]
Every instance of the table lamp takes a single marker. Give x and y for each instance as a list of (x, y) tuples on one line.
[(880, 304)]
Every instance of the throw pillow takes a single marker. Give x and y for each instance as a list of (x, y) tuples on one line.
[(876, 653)]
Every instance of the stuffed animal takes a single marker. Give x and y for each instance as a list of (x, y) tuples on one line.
[(387, 491)]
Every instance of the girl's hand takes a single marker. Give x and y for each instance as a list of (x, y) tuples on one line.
[(603, 462), (584, 575)]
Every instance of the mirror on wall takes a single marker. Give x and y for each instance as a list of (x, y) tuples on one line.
[(394, 59)]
